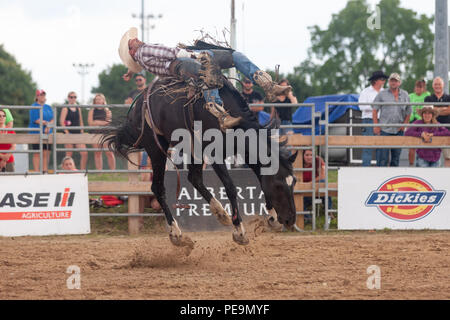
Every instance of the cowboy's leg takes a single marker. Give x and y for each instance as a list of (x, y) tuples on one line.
[(259, 77)]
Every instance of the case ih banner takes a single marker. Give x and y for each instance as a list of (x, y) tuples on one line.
[(198, 217), (44, 205), (393, 198)]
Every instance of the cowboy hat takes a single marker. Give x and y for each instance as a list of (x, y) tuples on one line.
[(434, 111), (378, 75), (124, 51)]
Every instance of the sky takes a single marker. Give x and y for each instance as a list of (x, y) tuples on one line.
[(47, 37)]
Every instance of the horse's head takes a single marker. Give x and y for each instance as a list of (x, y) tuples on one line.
[(279, 189)]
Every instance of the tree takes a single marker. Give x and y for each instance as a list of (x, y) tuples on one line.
[(113, 86), (343, 56), (16, 87)]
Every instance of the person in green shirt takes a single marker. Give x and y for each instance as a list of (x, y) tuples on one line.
[(9, 119), (419, 95)]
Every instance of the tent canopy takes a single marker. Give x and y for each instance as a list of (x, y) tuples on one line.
[(303, 114)]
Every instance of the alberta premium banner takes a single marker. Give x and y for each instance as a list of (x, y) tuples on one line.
[(393, 198), (44, 205), (198, 217)]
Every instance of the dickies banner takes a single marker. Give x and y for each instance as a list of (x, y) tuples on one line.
[(393, 198), (44, 205)]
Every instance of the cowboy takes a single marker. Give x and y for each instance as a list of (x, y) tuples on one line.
[(166, 61)]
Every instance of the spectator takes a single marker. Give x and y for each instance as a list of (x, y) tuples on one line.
[(68, 164), (6, 159), (258, 111), (419, 95), (150, 200), (141, 84), (391, 114), (444, 111), (72, 117), (47, 122), (9, 119), (427, 158), (250, 95), (307, 175), (285, 114), (101, 117), (377, 81)]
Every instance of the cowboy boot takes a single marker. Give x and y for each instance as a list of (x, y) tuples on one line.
[(210, 72), (133, 46), (271, 88), (226, 121)]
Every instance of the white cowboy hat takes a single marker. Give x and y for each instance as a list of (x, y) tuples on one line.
[(124, 51)]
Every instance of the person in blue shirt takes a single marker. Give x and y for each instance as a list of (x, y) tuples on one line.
[(47, 122)]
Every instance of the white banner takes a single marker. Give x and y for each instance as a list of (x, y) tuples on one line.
[(393, 198), (44, 205)]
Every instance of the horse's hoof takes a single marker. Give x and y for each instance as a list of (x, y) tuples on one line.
[(240, 238), (182, 241), (274, 225), (220, 213)]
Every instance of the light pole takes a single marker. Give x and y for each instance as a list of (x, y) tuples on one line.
[(145, 22), (83, 70), (233, 39), (441, 64)]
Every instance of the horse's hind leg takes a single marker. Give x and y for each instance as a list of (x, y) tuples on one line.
[(159, 159), (195, 177), (239, 235), (272, 219)]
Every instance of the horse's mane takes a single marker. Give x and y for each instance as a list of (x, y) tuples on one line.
[(244, 109)]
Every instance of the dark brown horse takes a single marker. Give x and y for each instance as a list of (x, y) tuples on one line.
[(170, 112)]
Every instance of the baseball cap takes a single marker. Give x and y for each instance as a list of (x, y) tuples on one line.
[(395, 76), (39, 92)]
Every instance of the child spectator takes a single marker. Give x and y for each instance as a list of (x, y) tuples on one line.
[(419, 95), (427, 158), (68, 164)]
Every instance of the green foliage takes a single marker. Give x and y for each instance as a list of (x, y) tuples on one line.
[(113, 86), (16, 87), (343, 56)]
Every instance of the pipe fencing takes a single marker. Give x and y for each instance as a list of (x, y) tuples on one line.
[(298, 167)]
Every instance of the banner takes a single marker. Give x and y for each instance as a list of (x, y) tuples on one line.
[(44, 205), (198, 217), (393, 198)]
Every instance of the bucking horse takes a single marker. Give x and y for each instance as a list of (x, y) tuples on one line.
[(169, 104)]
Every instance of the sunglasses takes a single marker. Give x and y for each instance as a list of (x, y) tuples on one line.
[(72, 97)]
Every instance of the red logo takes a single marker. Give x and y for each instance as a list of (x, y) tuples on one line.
[(405, 198)]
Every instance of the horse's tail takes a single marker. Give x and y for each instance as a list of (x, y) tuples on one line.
[(117, 138)]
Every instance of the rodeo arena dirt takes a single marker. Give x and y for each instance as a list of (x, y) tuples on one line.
[(286, 266)]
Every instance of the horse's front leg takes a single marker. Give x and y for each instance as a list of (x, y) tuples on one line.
[(158, 160), (239, 235)]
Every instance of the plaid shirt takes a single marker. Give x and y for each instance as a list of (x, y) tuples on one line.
[(156, 58)]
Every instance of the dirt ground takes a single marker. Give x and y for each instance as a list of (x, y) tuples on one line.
[(288, 266)]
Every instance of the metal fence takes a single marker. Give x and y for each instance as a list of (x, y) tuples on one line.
[(323, 121)]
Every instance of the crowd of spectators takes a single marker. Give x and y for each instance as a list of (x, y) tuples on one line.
[(398, 114)]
